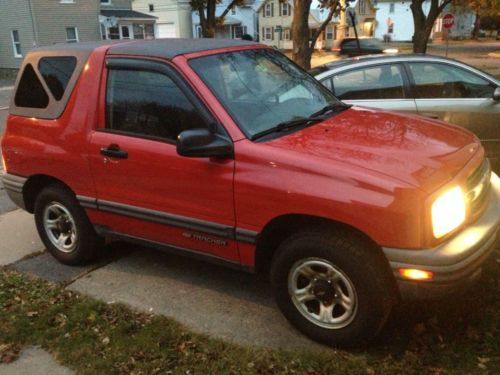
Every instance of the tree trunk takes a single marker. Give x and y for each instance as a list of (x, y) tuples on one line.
[(302, 51), (423, 25), (420, 40), (477, 26)]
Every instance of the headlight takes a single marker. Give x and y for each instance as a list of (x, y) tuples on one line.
[(448, 212)]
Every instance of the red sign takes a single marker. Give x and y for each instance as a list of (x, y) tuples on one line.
[(448, 21)]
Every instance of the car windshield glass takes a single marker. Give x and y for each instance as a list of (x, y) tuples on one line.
[(261, 88)]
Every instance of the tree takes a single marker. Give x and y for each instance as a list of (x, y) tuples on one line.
[(303, 44), (481, 8), (208, 19), (423, 23)]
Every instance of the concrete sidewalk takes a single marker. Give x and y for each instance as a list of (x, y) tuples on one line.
[(34, 361), (18, 237), (224, 303)]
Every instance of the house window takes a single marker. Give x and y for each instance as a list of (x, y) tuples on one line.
[(16, 43), (329, 33), (285, 9), (391, 8), (71, 35), (151, 7), (362, 7), (125, 32), (114, 32), (149, 31), (286, 34), (233, 10), (238, 31), (390, 28), (268, 33), (138, 31), (269, 10), (103, 32), (67, 1), (106, 2)]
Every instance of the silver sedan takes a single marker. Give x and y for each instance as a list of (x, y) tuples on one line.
[(430, 86)]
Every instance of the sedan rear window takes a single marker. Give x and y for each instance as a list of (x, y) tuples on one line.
[(376, 82)]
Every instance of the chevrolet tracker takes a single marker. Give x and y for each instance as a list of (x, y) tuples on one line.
[(227, 150)]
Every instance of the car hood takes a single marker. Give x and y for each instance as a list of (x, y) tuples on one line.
[(421, 152)]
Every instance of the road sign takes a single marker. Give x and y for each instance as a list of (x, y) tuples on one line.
[(448, 21)]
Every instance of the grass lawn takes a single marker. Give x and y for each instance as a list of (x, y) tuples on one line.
[(456, 335)]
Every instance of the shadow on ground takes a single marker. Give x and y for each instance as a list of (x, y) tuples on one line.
[(239, 307)]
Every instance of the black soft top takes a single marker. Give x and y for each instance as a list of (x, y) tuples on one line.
[(170, 48), (162, 48)]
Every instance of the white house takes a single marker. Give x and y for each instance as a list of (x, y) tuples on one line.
[(173, 16), (275, 23), (395, 19), (239, 20)]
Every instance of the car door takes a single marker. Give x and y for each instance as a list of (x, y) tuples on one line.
[(458, 96), (382, 86), (145, 189)]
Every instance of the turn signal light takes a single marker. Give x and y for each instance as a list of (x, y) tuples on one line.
[(414, 274)]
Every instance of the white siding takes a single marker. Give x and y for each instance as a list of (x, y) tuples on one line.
[(174, 13)]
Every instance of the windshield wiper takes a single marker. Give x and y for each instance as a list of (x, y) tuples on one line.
[(303, 121), (286, 125), (334, 108)]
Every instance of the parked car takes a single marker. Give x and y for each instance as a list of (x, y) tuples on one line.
[(430, 86), (367, 46), (226, 150)]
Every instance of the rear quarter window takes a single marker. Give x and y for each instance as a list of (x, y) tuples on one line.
[(57, 71), (30, 92)]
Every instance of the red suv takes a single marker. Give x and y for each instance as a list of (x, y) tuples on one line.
[(228, 151)]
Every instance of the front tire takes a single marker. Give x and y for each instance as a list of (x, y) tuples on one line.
[(64, 226), (332, 286)]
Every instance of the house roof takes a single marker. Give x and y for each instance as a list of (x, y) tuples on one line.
[(126, 13)]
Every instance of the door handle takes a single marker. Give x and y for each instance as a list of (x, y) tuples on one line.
[(113, 151)]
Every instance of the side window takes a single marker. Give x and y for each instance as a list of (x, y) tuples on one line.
[(435, 81), (57, 71), (327, 82), (150, 104), (30, 92), (379, 82)]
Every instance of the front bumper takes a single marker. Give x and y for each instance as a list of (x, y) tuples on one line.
[(455, 263)]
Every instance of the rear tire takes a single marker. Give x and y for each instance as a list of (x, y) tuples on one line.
[(64, 226), (332, 286)]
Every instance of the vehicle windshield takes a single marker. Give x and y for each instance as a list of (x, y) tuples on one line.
[(261, 88)]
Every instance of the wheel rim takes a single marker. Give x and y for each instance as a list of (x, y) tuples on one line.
[(60, 227), (322, 293)]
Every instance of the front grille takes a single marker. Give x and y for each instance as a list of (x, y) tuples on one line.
[(478, 186)]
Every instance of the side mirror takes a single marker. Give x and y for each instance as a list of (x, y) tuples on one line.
[(496, 94), (201, 143)]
